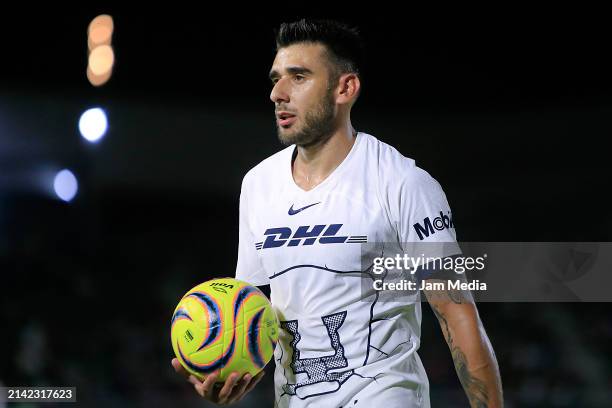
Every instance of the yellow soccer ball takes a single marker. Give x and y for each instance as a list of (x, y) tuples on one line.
[(224, 324)]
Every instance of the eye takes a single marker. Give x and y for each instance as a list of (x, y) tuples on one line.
[(299, 78)]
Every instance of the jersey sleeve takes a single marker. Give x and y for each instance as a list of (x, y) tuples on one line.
[(420, 211), (248, 267), (424, 212)]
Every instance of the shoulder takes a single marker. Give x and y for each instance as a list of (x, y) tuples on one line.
[(396, 171), (268, 169)]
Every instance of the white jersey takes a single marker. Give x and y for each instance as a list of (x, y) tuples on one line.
[(337, 349)]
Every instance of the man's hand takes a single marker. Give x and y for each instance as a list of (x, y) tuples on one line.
[(232, 391)]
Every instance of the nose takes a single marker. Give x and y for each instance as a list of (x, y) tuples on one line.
[(279, 93)]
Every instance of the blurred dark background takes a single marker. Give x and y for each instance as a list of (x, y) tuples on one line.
[(511, 114)]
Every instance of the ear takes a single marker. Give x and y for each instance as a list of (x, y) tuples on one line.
[(348, 88)]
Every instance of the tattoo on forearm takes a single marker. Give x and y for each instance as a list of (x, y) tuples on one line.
[(456, 296), (475, 388)]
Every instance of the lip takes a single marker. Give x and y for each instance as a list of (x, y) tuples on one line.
[(284, 118), (285, 122)]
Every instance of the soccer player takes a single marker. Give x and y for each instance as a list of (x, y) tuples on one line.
[(304, 212)]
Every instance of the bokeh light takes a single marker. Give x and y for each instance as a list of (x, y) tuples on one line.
[(93, 124), (65, 185), (101, 59), (100, 31)]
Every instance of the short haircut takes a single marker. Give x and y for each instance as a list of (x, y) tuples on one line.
[(344, 45)]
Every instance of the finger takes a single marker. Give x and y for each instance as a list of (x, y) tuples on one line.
[(200, 389), (209, 383), (181, 370), (194, 380), (239, 390), (254, 381), (178, 367), (230, 382)]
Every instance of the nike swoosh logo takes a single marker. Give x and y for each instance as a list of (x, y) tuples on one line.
[(293, 212)]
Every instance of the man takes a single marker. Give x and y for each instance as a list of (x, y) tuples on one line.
[(303, 213)]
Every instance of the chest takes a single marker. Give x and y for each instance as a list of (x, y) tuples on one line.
[(322, 228)]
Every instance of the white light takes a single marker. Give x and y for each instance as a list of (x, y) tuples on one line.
[(65, 185), (93, 124)]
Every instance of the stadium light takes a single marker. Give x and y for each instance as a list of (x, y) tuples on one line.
[(93, 124), (101, 54), (101, 59), (100, 31), (65, 185)]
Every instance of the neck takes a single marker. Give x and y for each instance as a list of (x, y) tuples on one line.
[(315, 162)]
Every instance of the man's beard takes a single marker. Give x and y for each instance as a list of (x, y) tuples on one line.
[(318, 125)]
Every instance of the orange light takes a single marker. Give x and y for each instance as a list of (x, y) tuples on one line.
[(98, 80), (100, 31), (101, 59)]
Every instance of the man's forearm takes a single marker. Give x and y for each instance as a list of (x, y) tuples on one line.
[(470, 348)]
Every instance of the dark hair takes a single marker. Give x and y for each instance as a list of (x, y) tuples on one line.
[(343, 43)]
